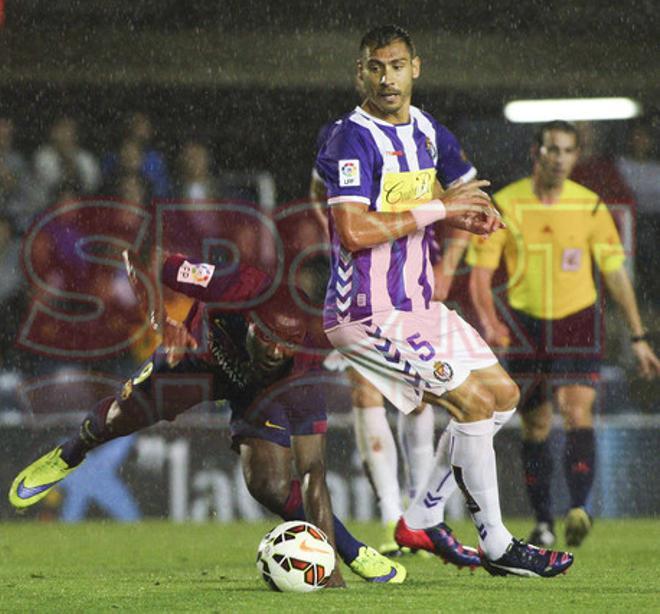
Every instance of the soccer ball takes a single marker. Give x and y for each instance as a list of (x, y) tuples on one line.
[(295, 557)]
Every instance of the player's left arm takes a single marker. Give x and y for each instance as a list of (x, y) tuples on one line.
[(621, 290), (205, 282), (609, 254), (175, 337)]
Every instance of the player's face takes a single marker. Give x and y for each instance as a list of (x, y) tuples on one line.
[(556, 157), (386, 77), (267, 350)]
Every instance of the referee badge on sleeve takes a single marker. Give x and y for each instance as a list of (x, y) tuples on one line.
[(349, 173)]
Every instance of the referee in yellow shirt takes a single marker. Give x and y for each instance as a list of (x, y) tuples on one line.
[(556, 230)]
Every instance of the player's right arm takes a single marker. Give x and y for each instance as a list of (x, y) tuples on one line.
[(318, 199), (465, 206)]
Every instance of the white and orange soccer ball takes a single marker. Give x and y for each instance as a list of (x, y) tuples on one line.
[(296, 557)]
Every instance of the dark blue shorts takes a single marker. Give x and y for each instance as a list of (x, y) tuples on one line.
[(546, 354), (295, 406), (570, 345), (277, 425)]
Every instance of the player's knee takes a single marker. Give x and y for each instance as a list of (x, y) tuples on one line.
[(481, 405), (313, 479), (576, 416), (419, 409), (365, 395), (271, 492), (126, 418), (507, 395), (536, 426)]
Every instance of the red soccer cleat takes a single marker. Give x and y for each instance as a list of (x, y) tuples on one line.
[(438, 540)]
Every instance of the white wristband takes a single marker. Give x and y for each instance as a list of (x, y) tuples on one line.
[(428, 213)]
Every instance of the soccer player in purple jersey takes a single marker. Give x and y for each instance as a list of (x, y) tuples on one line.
[(375, 441), (380, 169), (244, 354)]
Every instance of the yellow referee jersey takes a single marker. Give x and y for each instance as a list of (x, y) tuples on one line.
[(549, 249)]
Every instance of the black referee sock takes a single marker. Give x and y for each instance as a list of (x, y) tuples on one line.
[(579, 464), (537, 464)]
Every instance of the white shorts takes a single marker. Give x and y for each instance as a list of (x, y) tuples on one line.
[(405, 353)]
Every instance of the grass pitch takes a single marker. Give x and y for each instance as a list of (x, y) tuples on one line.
[(164, 567)]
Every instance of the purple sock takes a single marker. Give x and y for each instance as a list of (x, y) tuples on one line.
[(347, 546), (579, 464)]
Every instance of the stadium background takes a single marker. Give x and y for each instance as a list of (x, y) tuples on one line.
[(256, 80)]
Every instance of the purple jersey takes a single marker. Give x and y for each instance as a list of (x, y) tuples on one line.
[(390, 168)]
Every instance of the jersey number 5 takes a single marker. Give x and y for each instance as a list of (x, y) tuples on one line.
[(423, 348)]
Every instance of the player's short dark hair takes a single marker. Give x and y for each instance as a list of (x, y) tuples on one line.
[(556, 124), (382, 36)]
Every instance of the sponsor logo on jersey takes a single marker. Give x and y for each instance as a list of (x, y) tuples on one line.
[(349, 173), (197, 274), (443, 371), (406, 190)]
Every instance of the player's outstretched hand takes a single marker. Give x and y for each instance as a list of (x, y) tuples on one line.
[(497, 334), (649, 364), (176, 341), (470, 208)]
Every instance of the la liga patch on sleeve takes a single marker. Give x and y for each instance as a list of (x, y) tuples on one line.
[(349, 173), (199, 274)]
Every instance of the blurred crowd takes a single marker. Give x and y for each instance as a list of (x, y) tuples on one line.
[(62, 171), (43, 231)]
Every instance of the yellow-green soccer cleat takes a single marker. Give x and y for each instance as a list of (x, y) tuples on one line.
[(388, 546), (36, 480), (372, 566), (577, 526)]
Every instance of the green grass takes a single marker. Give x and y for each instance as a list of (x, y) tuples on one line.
[(163, 567)]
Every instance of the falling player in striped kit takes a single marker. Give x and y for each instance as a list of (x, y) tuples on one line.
[(380, 168)]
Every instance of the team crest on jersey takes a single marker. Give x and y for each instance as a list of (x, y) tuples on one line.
[(126, 390), (432, 149), (196, 274), (349, 173), (443, 371)]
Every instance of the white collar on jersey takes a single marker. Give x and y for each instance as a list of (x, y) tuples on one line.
[(382, 122)]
